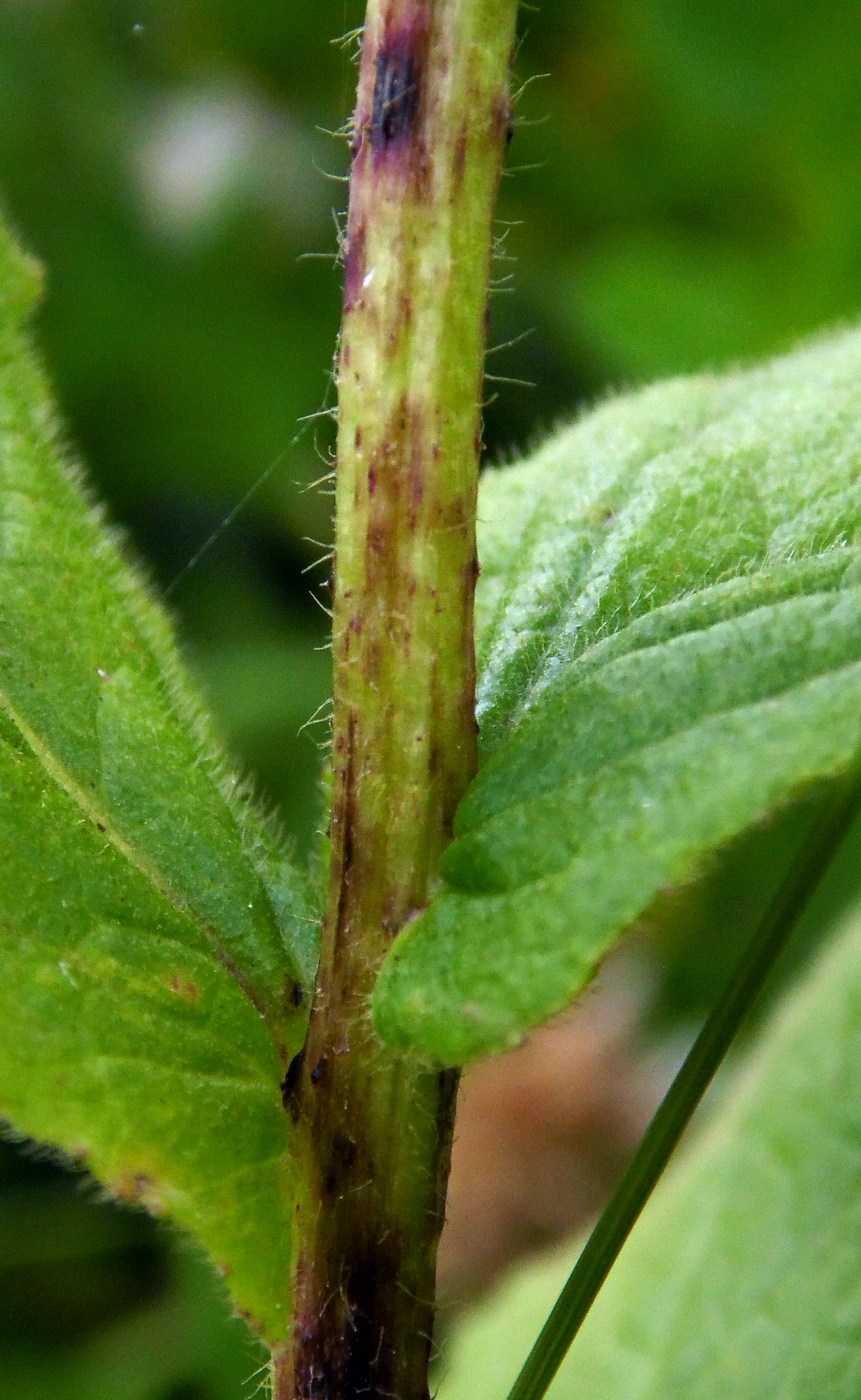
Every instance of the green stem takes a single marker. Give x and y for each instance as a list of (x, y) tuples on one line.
[(373, 1130), (684, 1094)]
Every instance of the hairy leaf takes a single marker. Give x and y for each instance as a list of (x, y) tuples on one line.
[(670, 649), (741, 1279), (154, 944)]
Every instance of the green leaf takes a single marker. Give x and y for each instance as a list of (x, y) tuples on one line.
[(670, 649), (155, 943), (741, 1279)]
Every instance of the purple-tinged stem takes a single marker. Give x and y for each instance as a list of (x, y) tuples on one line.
[(374, 1129)]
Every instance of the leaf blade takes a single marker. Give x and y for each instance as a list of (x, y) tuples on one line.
[(670, 649), (89, 670), (157, 944), (741, 1277)]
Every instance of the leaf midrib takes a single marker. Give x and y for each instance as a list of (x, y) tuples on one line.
[(101, 818)]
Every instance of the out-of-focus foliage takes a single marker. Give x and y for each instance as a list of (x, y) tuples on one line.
[(691, 199), (740, 1280), (95, 1305)]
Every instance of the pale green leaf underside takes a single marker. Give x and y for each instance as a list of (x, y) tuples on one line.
[(153, 941), (741, 1280), (669, 629)]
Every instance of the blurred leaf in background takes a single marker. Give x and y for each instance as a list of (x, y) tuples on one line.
[(682, 193), (98, 1303)]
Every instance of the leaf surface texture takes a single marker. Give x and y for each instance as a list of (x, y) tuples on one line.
[(155, 943), (669, 642)]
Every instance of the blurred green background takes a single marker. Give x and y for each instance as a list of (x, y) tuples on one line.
[(683, 191)]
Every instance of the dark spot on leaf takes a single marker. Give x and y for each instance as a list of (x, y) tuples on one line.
[(189, 991), (135, 1188)]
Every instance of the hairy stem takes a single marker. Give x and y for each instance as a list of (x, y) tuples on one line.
[(430, 128)]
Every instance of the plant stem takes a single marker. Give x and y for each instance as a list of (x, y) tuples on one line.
[(373, 1129), (703, 1060)]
